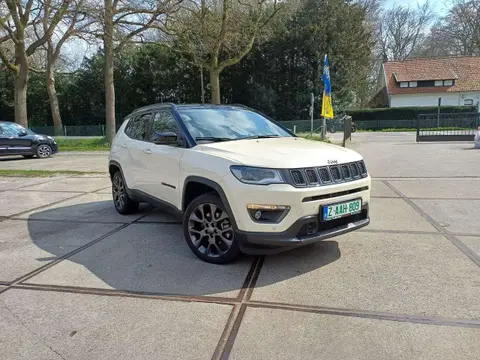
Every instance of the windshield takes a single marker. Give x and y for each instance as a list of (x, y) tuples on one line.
[(229, 124)]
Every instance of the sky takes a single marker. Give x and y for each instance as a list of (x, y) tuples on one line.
[(440, 6)]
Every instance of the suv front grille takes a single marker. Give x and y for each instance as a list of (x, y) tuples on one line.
[(328, 174), (312, 177), (336, 176), (297, 177)]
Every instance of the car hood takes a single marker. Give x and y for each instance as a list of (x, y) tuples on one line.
[(37, 137), (281, 153)]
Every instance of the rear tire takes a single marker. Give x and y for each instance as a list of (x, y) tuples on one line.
[(209, 231), (123, 203)]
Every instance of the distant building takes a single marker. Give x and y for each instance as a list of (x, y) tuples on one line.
[(421, 82)]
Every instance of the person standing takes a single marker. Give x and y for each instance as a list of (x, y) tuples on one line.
[(477, 139)]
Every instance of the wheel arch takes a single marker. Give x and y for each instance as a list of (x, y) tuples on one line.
[(113, 167), (207, 184)]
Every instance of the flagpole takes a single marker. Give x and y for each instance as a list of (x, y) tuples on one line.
[(324, 127), (312, 102)]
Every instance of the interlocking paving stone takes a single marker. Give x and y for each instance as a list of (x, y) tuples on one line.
[(404, 274), (54, 325), (147, 258), (284, 334)]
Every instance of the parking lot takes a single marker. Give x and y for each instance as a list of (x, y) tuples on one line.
[(79, 281)]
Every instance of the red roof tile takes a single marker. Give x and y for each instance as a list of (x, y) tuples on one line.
[(464, 70)]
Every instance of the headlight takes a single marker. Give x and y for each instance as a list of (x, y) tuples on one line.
[(258, 176)]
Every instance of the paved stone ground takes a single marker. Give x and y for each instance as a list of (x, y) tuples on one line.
[(79, 281)]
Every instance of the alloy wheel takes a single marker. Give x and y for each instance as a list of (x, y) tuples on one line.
[(210, 230), (118, 191), (44, 151)]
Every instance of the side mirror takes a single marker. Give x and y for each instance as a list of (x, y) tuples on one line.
[(165, 138), (22, 133)]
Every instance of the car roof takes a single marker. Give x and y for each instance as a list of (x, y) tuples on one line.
[(186, 106)]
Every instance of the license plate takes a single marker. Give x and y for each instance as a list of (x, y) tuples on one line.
[(336, 211)]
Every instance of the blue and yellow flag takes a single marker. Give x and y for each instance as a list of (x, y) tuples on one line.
[(327, 107)]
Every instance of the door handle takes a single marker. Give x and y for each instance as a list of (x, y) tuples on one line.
[(147, 151), (123, 145)]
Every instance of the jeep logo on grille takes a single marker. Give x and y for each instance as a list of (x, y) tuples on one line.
[(332, 162)]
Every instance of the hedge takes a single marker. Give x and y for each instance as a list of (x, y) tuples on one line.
[(404, 113)]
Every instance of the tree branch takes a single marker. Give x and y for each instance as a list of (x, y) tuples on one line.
[(7, 63), (55, 20), (11, 33)]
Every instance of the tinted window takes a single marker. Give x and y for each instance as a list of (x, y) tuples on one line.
[(163, 121), (227, 122), (137, 128)]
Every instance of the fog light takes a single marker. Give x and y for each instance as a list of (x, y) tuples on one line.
[(267, 213)]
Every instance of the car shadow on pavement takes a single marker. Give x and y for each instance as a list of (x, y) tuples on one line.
[(150, 256)]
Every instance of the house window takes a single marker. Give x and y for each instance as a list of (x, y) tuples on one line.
[(412, 84), (468, 102), (403, 84), (438, 82), (447, 82)]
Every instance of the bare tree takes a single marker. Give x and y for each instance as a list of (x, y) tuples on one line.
[(401, 30), (216, 34), (15, 20), (123, 21), (458, 32), (74, 22)]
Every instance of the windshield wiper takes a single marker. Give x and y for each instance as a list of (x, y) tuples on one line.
[(258, 137), (212, 138)]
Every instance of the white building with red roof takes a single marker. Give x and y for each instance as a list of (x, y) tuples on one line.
[(422, 82)]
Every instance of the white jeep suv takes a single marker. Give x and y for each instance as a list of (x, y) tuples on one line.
[(241, 182)]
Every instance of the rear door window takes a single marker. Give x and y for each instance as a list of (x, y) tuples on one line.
[(138, 127)]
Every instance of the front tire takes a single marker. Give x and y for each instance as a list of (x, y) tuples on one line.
[(209, 230), (123, 203), (44, 151)]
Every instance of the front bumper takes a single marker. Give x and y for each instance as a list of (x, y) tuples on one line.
[(54, 146), (257, 243), (303, 202)]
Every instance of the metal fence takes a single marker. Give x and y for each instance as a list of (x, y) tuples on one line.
[(447, 127), (298, 126), (76, 130), (372, 125)]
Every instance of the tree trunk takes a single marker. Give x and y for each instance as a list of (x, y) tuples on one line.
[(20, 91), (215, 86), (52, 95), (108, 73)]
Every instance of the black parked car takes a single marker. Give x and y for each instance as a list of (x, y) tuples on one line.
[(16, 140)]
